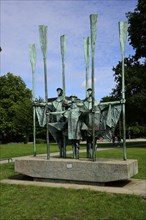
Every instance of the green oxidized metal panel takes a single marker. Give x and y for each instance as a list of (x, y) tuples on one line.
[(32, 51), (43, 30), (123, 26), (93, 25)]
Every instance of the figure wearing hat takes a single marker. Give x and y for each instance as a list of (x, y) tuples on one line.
[(87, 130), (74, 125), (57, 105), (88, 101), (58, 121)]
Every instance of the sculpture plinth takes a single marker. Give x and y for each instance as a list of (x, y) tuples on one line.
[(83, 170)]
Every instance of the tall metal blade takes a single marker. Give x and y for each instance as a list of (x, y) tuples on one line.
[(93, 28), (63, 50), (86, 55), (43, 30), (32, 51), (123, 27)]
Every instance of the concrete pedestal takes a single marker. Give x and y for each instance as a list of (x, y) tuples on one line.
[(83, 170)]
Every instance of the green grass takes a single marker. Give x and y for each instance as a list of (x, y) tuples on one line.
[(7, 171), (16, 150), (44, 203)]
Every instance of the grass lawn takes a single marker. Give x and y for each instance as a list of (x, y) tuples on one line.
[(45, 203), (13, 150), (16, 150)]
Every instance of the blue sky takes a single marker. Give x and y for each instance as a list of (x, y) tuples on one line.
[(19, 28)]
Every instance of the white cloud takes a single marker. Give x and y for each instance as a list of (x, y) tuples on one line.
[(83, 84)]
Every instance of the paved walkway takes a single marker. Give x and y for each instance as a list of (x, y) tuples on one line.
[(133, 186)]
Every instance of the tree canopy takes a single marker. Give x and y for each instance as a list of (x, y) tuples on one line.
[(135, 69), (137, 29), (15, 107), (135, 90)]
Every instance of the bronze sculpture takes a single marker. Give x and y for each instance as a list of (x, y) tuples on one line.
[(72, 120)]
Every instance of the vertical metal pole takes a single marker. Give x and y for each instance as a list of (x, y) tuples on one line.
[(63, 48), (33, 64), (123, 26), (93, 27), (46, 98), (43, 41), (34, 132), (86, 55), (93, 116), (123, 110)]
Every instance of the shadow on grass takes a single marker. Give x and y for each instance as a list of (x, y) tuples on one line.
[(21, 177)]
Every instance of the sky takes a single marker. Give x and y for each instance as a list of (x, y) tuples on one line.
[(19, 28)]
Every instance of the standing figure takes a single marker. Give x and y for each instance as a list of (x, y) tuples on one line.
[(58, 122), (87, 103), (74, 125), (57, 105)]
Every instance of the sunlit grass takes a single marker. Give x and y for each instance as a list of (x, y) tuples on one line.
[(45, 203)]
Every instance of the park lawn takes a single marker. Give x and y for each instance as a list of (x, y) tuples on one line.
[(139, 153), (17, 150), (46, 203)]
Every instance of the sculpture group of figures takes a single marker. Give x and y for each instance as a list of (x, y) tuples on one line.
[(71, 120)]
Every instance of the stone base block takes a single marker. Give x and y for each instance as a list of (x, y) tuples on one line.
[(100, 171)]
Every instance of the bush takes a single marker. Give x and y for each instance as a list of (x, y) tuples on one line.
[(138, 131), (40, 141)]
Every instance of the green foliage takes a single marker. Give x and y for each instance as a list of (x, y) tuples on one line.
[(138, 131), (135, 69), (40, 141), (137, 29), (15, 108), (135, 90)]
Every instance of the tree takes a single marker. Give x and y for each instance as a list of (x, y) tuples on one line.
[(135, 90), (135, 69), (15, 107), (137, 29)]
